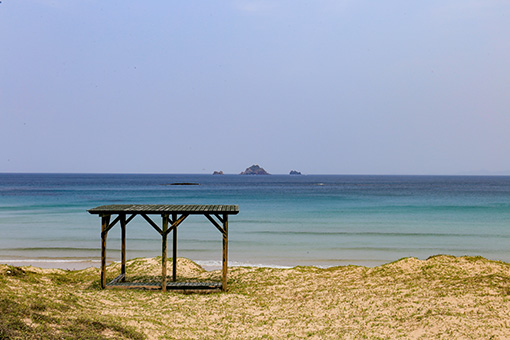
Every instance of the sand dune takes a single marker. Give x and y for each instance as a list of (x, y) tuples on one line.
[(442, 297)]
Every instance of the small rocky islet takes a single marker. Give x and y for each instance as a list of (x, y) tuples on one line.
[(254, 170)]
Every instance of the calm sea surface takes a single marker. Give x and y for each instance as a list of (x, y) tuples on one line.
[(283, 221)]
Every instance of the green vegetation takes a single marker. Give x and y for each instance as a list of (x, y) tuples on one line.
[(33, 307), (442, 297)]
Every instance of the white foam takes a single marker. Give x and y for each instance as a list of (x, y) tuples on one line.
[(218, 264)]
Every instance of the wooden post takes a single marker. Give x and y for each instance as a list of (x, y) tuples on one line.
[(174, 249), (225, 252), (163, 254), (105, 221), (123, 246)]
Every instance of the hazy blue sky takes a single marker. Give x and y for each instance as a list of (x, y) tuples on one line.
[(323, 86)]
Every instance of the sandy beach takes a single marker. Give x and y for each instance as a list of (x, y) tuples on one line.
[(443, 297), (60, 264)]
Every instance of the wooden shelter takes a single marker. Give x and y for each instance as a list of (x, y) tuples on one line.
[(172, 216)]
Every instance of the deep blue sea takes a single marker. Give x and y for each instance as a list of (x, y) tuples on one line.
[(322, 220)]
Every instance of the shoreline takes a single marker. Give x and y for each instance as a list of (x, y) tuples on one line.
[(210, 265)]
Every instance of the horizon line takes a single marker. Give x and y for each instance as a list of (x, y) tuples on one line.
[(463, 174)]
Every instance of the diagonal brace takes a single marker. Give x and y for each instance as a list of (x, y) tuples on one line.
[(216, 223), (175, 224), (111, 225), (154, 225), (219, 218), (130, 218), (115, 221)]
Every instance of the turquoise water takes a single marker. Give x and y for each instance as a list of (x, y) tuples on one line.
[(283, 220)]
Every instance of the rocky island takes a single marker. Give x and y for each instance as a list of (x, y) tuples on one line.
[(294, 172), (218, 172), (254, 170)]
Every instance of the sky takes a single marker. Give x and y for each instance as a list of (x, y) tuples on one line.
[(322, 86)]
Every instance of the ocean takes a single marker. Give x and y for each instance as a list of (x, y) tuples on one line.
[(284, 220)]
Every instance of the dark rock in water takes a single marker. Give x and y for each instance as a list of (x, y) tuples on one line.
[(254, 170), (182, 183), (294, 172), (218, 172)]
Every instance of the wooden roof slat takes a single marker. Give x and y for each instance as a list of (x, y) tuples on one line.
[(167, 208)]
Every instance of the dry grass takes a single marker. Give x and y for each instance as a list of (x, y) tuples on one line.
[(443, 297)]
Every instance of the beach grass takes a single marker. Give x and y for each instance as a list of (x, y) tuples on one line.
[(443, 297)]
